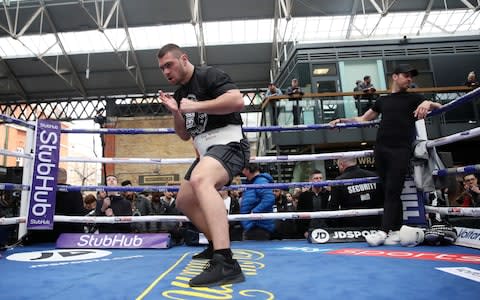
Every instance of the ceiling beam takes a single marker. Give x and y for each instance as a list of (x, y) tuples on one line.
[(283, 10), (140, 81), (40, 12), (376, 6), (351, 22), (468, 4), (425, 16), (102, 25), (197, 22), (73, 71)]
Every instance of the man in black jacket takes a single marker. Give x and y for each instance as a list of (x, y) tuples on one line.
[(315, 199), (355, 196)]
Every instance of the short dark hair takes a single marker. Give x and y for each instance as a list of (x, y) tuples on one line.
[(170, 48), (126, 182), (366, 77), (90, 198), (253, 167), (316, 172)]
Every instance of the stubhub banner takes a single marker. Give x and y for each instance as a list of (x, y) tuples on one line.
[(114, 240), (41, 209)]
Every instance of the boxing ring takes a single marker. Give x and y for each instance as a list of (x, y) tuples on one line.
[(287, 269)]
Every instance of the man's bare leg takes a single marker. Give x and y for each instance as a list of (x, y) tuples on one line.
[(187, 203), (207, 176)]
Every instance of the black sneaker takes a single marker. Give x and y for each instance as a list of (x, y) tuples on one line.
[(218, 272), (207, 253)]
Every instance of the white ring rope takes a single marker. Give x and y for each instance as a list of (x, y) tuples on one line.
[(233, 217), (454, 137), (253, 159), (15, 154), (455, 211)]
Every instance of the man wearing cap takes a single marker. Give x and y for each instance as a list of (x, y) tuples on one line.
[(393, 146), (273, 90)]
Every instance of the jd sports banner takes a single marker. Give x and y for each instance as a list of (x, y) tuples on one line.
[(44, 175)]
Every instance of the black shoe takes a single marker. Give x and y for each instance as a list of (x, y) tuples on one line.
[(207, 253), (218, 272)]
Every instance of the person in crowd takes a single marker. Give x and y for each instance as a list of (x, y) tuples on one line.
[(257, 201), (101, 195), (157, 207), (235, 227), (280, 200), (90, 205), (296, 196), (294, 89), (393, 147), (472, 80), (140, 207), (355, 196), (291, 205), (66, 203), (112, 205), (314, 199), (357, 88), (367, 88), (471, 194), (206, 107), (286, 228), (273, 90), (90, 202)]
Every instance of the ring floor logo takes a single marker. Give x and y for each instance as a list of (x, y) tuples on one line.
[(62, 255)]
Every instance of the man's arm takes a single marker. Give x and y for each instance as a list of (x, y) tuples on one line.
[(179, 125), (424, 108), (367, 116), (178, 121), (228, 102)]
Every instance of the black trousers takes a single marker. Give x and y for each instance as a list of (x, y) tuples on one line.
[(392, 165)]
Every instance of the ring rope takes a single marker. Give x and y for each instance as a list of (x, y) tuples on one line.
[(173, 188), (458, 170), (253, 159), (468, 97), (8, 119), (233, 217), (14, 187), (460, 136), (456, 211), (245, 129), (15, 154)]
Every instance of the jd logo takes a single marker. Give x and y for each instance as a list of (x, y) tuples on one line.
[(58, 255)]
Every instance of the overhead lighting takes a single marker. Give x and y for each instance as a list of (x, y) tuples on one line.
[(320, 71), (363, 143)]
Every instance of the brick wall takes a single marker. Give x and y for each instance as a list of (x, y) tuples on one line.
[(147, 146)]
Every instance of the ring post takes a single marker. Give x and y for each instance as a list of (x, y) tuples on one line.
[(26, 180)]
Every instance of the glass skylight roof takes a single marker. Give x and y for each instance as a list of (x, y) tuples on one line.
[(300, 30)]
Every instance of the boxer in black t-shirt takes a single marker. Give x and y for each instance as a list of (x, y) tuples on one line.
[(393, 148), (206, 107)]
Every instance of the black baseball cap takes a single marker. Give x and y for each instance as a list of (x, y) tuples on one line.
[(405, 68)]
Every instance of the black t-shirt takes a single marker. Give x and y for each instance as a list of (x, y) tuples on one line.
[(397, 127), (207, 83)]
